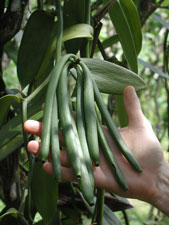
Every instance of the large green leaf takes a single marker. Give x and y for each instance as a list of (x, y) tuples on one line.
[(74, 13), (136, 2), (133, 20), (13, 138), (122, 28), (37, 48), (125, 19), (109, 218), (11, 133), (78, 31), (5, 103), (11, 146), (44, 190), (111, 78)]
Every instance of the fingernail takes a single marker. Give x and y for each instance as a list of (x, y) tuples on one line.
[(31, 122)]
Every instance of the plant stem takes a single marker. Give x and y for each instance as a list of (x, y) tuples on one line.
[(23, 220), (59, 29), (40, 4), (99, 207), (125, 217), (31, 163), (88, 21), (88, 12), (27, 184), (38, 89)]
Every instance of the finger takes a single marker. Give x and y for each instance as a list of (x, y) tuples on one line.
[(64, 159), (67, 173), (34, 147), (133, 108), (33, 127)]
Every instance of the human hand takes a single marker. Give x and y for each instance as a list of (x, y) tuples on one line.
[(141, 140)]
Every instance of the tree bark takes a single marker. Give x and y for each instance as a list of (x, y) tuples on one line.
[(10, 21)]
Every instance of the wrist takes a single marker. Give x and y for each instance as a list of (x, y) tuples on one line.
[(161, 198)]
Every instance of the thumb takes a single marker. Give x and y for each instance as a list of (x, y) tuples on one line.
[(133, 109)]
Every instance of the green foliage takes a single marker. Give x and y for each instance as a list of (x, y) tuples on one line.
[(123, 29), (37, 48), (133, 19), (5, 103), (73, 13), (44, 190), (34, 57), (111, 78)]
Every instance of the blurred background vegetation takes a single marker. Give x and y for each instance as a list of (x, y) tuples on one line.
[(153, 66)]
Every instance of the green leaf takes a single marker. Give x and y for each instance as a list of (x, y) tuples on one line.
[(111, 78), (78, 31), (123, 30), (11, 133), (44, 190), (122, 115), (73, 13), (161, 21), (108, 42), (5, 103), (13, 128), (37, 48), (12, 139), (12, 212), (133, 20), (165, 3), (136, 2), (153, 68), (109, 217), (11, 146)]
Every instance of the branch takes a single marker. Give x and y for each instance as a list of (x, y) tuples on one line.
[(102, 12), (149, 9), (11, 21), (164, 7)]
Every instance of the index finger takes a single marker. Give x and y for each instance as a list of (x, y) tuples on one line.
[(33, 127)]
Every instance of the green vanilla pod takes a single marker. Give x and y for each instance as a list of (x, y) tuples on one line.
[(90, 115), (75, 152), (55, 147), (81, 125), (47, 116), (111, 159), (66, 120), (113, 130)]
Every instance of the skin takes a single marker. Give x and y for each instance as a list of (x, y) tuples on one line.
[(152, 185)]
